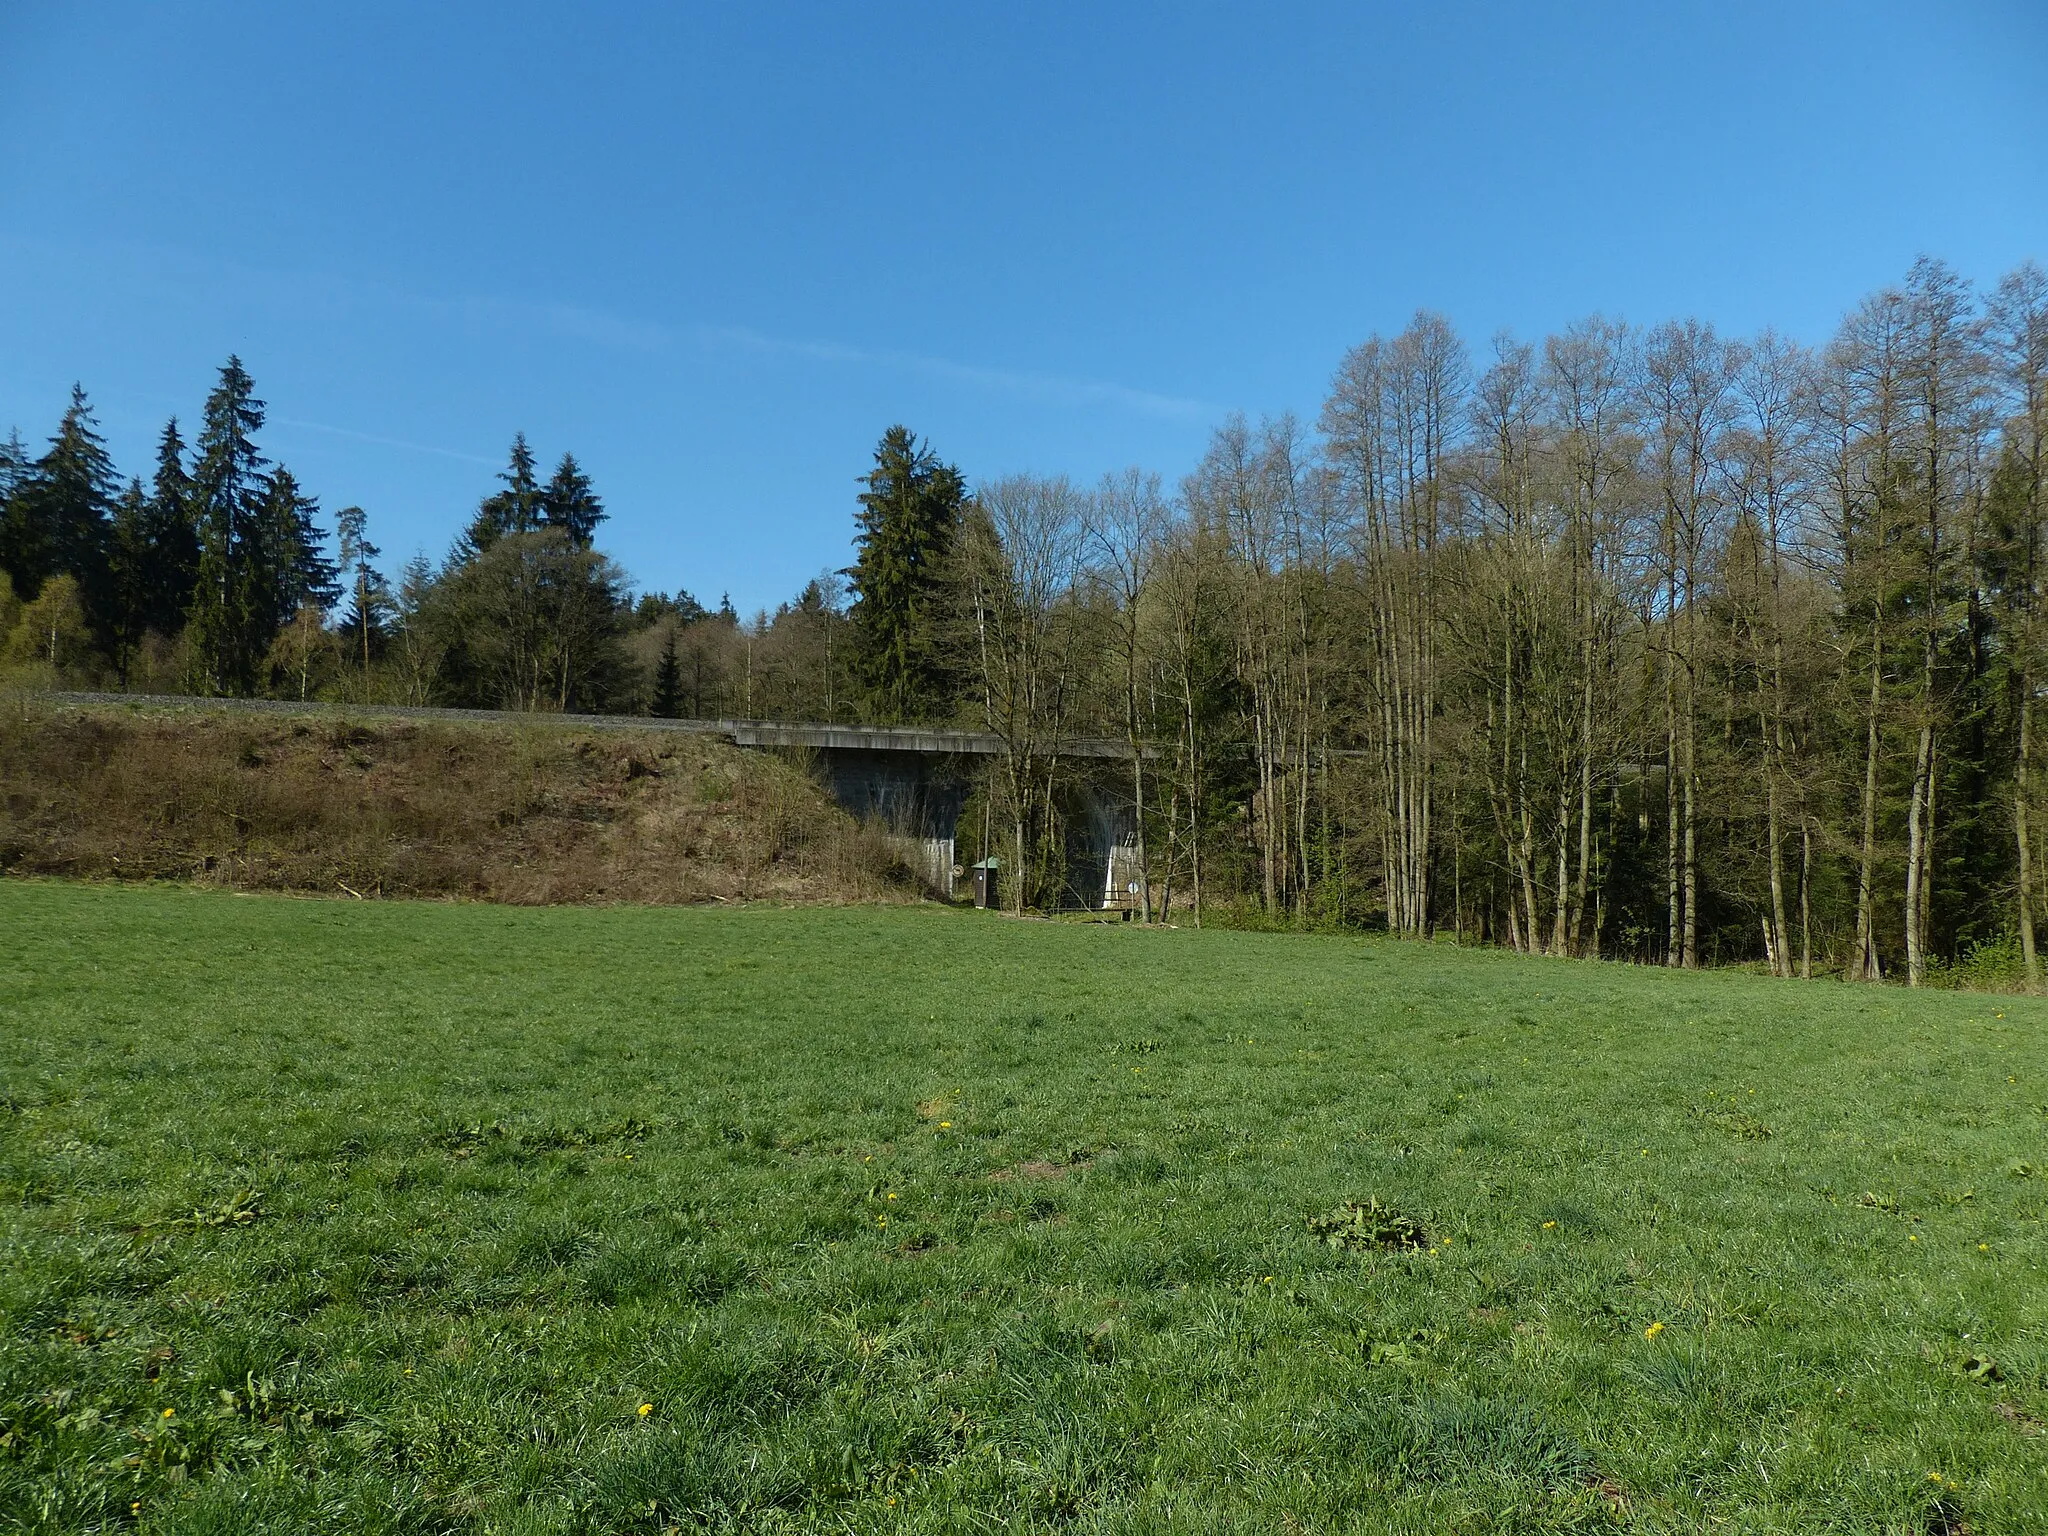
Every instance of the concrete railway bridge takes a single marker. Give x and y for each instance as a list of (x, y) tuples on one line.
[(913, 781)]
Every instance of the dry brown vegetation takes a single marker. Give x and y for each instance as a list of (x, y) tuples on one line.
[(522, 814)]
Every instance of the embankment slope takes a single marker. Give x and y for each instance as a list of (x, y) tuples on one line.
[(496, 811)]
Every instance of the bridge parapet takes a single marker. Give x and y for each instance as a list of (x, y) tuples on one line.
[(898, 738)]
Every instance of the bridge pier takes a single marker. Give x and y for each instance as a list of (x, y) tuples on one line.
[(913, 782)]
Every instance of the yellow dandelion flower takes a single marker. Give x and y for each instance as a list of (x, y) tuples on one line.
[(170, 1413), (1653, 1330), (945, 1125), (1983, 1247), (1548, 1225), (646, 1409), (892, 1195), (1912, 1237)]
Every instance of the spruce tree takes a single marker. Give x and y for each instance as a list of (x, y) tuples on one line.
[(908, 517), (129, 559), (519, 508), (227, 494), (173, 540), (668, 679), (569, 503), (13, 465), (299, 571), (60, 524), (15, 557)]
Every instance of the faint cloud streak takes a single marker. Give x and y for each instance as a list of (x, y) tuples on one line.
[(385, 442), (1050, 387), (631, 333)]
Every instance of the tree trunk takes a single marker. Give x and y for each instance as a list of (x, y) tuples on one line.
[(1867, 967), (1674, 943), (2019, 830), (1917, 834), (1560, 934), (1691, 845), (1781, 953), (1805, 906), (1138, 811)]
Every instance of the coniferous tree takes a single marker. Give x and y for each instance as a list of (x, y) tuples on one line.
[(128, 578), (227, 494), (570, 504), (173, 540), (519, 508), (909, 515), (656, 606), (13, 464), (299, 571), (61, 526), (668, 679), (368, 598), (419, 644), (14, 555)]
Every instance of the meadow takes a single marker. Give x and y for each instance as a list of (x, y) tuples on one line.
[(335, 1216)]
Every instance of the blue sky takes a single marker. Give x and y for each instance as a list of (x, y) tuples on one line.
[(716, 250)]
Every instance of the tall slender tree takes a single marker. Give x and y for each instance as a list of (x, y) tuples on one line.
[(1128, 518), (129, 555), (172, 538), (667, 701), (299, 571), (2018, 333), (228, 491), (1943, 376), (367, 599), (1687, 376)]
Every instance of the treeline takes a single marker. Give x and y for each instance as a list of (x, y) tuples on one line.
[(1652, 643), (218, 555), (1648, 643), (218, 577)]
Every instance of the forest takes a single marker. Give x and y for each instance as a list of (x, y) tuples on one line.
[(1647, 643)]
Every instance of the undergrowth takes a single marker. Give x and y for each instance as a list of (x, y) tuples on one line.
[(520, 814)]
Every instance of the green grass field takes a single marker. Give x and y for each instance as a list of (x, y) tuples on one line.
[(343, 1217)]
